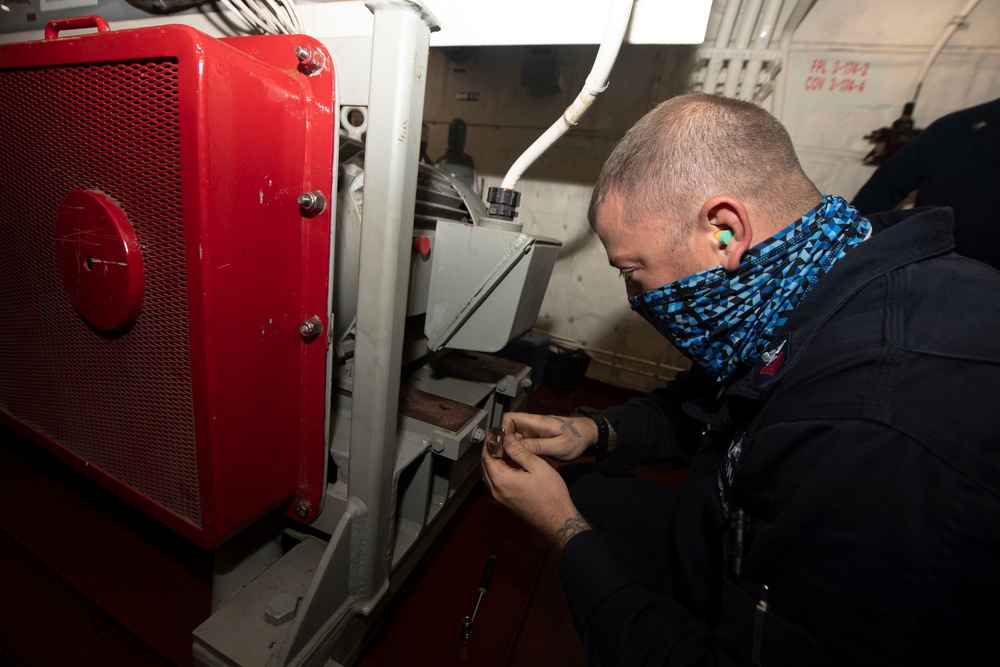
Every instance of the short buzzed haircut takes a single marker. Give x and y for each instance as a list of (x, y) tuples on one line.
[(693, 147)]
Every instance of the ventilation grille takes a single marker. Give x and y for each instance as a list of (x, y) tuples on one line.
[(123, 403)]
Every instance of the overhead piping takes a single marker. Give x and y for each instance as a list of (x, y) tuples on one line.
[(504, 201), (722, 36), (741, 43), (761, 41)]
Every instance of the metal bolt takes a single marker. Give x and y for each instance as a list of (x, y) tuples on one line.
[(312, 201), (478, 436), (527, 383), (281, 608), (311, 60), (502, 386), (311, 327), (303, 509)]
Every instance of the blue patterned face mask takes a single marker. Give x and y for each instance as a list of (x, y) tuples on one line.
[(723, 321)]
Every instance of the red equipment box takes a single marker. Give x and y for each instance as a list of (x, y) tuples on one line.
[(156, 266)]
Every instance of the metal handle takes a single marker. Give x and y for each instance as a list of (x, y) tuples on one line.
[(53, 27)]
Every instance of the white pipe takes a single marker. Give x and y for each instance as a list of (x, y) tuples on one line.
[(791, 25), (762, 40), (725, 32), (597, 82), (743, 35), (750, 17), (952, 26), (722, 36)]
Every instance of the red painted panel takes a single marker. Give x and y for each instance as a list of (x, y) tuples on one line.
[(208, 409)]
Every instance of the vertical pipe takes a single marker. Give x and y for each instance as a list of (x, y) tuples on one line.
[(749, 22), (722, 36), (761, 40), (949, 30), (799, 12), (400, 44)]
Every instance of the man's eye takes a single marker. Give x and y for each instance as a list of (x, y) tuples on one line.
[(626, 275)]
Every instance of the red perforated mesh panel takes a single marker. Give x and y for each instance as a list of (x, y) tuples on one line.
[(123, 402)]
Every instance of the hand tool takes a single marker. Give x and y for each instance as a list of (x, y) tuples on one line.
[(469, 622)]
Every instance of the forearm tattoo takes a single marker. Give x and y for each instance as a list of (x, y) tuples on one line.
[(568, 424), (573, 526)]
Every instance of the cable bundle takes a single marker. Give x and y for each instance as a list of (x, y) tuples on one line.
[(270, 17)]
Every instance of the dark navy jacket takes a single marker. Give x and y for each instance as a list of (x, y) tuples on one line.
[(871, 476)]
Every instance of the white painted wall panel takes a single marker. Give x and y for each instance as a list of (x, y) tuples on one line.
[(893, 39)]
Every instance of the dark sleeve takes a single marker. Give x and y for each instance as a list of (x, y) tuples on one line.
[(653, 429), (900, 175), (622, 620)]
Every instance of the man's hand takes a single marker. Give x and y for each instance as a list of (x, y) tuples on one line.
[(562, 438), (532, 489)]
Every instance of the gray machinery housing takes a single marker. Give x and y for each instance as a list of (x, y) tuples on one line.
[(404, 447)]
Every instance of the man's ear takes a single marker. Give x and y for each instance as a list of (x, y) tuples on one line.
[(725, 226)]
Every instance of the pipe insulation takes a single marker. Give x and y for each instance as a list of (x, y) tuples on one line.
[(596, 83)]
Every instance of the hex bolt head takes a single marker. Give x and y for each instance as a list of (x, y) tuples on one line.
[(311, 327), (281, 608), (527, 383), (478, 436), (303, 509), (311, 60), (312, 201)]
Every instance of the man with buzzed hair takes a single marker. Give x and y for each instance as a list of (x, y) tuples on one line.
[(841, 503)]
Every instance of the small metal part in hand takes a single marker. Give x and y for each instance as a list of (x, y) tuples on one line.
[(494, 442)]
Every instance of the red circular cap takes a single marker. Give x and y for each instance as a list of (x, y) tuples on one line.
[(422, 245), (99, 259)]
